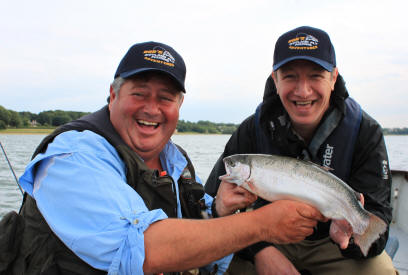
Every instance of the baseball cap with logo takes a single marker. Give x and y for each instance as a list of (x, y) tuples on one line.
[(305, 43), (153, 56)]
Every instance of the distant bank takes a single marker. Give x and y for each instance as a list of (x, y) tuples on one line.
[(27, 131)]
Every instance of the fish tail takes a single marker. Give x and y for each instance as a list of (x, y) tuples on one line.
[(375, 228)]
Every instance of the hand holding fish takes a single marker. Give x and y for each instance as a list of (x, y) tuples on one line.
[(292, 220), (231, 197)]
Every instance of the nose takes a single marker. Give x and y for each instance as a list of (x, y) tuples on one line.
[(303, 88), (151, 106)]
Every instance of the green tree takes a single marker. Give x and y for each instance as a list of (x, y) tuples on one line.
[(45, 118), (4, 115), (2, 125), (15, 120), (60, 119), (75, 115)]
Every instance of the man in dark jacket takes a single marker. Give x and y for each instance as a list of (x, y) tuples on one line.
[(307, 114)]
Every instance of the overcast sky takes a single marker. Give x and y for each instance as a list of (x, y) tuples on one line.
[(63, 54)]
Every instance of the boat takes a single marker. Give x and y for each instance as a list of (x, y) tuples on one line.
[(397, 246)]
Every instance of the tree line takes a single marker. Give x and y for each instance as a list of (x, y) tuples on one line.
[(395, 131), (206, 127), (13, 119)]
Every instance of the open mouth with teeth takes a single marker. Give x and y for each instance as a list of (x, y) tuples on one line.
[(145, 123), (304, 103)]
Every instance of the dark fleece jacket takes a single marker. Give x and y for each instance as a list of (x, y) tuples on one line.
[(367, 163)]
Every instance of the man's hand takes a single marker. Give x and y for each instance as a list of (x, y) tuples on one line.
[(287, 221), (341, 230), (270, 261), (231, 197)]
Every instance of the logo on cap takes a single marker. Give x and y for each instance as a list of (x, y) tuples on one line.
[(159, 55), (303, 41)]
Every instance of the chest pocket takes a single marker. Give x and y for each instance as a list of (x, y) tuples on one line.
[(191, 196)]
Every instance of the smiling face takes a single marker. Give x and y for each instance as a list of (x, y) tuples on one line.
[(145, 113), (304, 89)]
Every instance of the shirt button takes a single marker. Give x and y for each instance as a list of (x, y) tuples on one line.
[(135, 221)]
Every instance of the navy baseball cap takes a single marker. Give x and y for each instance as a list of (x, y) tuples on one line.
[(153, 56), (305, 43)]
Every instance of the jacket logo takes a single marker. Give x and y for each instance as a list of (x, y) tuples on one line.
[(385, 169), (328, 154)]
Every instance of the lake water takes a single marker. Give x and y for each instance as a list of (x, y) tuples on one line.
[(203, 150)]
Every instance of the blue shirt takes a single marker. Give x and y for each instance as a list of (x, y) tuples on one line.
[(81, 190)]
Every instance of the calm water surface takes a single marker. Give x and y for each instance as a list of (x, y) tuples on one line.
[(203, 150)]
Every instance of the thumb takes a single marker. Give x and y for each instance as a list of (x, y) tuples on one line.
[(310, 212)]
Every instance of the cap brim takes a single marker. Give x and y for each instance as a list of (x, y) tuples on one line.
[(141, 70), (327, 66)]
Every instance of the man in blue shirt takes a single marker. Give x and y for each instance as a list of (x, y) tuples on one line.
[(106, 193)]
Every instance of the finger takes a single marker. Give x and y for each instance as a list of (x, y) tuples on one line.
[(241, 190), (251, 197), (310, 212), (225, 182), (340, 234), (362, 199), (248, 196), (251, 186), (343, 225)]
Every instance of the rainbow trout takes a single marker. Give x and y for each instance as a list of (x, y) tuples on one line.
[(274, 177)]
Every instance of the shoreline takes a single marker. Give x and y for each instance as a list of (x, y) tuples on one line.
[(27, 131)]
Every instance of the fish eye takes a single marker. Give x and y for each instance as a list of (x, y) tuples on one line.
[(229, 162)]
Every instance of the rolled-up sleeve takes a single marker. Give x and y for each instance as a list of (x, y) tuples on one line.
[(80, 189)]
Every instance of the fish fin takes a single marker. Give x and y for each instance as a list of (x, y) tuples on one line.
[(375, 228)]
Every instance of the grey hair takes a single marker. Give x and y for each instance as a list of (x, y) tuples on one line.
[(117, 84)]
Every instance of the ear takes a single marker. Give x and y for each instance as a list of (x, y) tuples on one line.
[(334, 75), (112, 96)]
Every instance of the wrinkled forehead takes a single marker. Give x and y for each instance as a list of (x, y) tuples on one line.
[(161, 77)]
